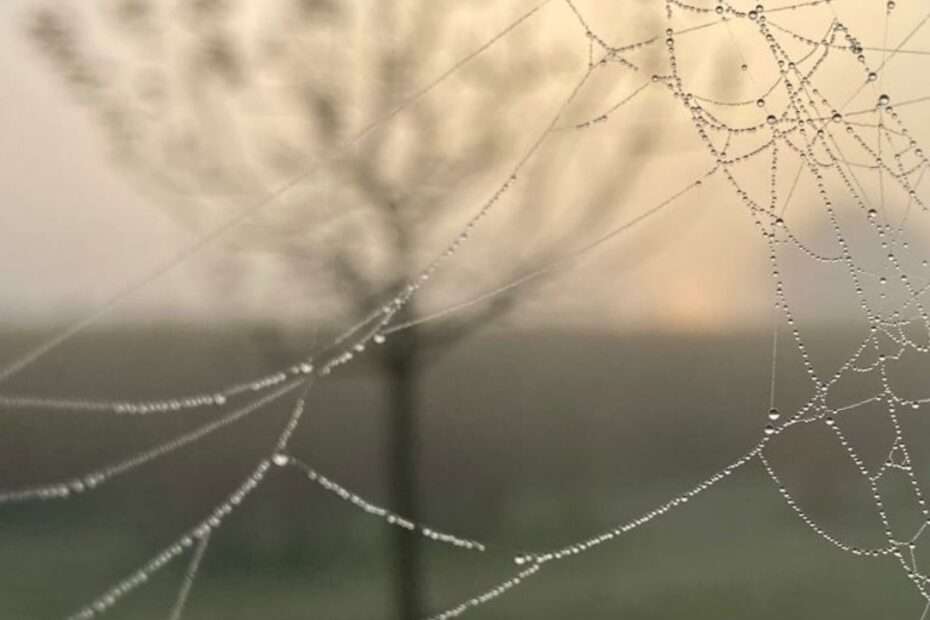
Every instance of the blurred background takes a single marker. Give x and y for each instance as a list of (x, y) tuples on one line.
[(135, 128)]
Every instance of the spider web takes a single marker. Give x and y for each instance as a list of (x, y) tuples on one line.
[(822, 127)]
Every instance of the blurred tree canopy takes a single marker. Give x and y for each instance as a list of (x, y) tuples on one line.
[(213, 104)]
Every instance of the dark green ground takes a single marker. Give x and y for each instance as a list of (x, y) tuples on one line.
[(532, 440)]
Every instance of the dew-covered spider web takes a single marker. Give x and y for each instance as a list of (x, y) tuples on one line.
[(812, 134)]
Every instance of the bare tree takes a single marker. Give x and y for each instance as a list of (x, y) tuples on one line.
[(211, 108)]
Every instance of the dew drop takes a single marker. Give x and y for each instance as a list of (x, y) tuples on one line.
[(280, 459), (92, 480), (774, 414)]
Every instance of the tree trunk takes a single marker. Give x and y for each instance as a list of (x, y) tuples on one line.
[(402, 368)]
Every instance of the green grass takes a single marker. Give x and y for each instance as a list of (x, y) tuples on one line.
[(530, 442), (734, 553)]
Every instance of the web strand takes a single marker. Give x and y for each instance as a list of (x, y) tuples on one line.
[(177, 611)]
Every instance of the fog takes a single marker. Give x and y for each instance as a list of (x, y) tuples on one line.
[(79, 224)]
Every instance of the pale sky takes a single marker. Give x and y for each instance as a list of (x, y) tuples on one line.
[(72, 227), (75, 229)]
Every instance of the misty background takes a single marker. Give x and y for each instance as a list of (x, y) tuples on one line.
[(555, 410)]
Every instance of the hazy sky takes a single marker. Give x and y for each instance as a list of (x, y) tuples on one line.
[(74, 228)]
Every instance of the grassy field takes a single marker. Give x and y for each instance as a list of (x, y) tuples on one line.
[(531, 441)]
